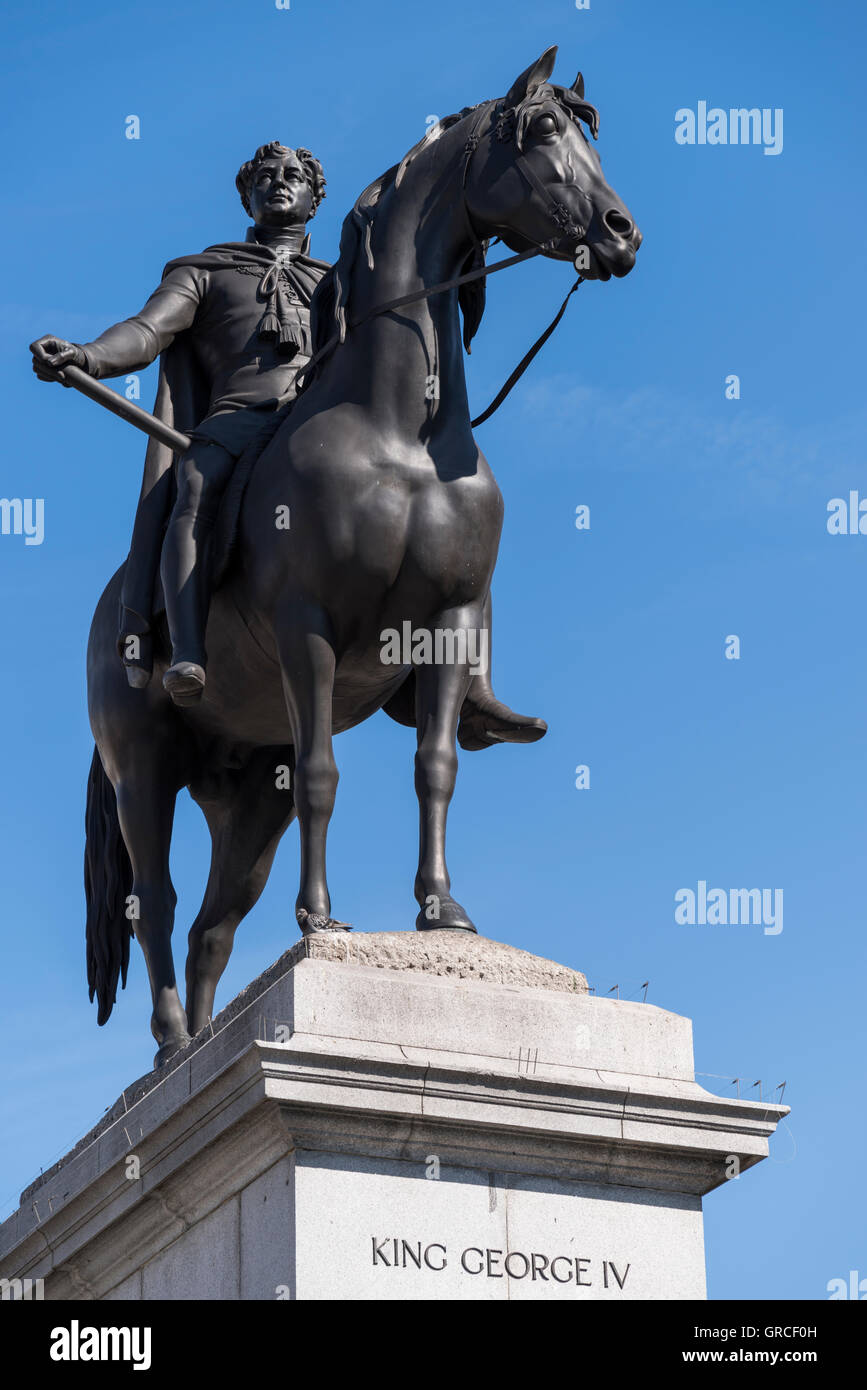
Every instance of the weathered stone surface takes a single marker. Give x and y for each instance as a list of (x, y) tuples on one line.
[(456, 954)]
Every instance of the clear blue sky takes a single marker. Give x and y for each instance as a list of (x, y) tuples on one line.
[(707, 519)]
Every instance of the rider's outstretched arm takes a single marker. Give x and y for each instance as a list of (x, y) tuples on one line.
[(133, 343)]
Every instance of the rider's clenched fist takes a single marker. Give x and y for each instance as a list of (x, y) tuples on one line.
[(51, 354)]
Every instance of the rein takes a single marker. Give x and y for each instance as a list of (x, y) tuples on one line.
[(556, 212), (525, 361)]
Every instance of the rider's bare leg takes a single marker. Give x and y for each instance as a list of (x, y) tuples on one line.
[(202, 476)]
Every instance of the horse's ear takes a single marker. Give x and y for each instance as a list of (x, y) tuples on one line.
[(578, 86), (536, 74)]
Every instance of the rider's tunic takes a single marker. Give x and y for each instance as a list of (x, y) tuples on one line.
[(231, 326), (245, 312)]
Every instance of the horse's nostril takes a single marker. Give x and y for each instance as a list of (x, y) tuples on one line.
[(618, 223)]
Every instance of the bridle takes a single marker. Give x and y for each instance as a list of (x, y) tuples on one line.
[(556, 212)]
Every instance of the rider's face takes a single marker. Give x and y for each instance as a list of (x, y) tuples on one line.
[(279, 194)]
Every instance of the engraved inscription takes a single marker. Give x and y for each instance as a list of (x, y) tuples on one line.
[(395, 1252)]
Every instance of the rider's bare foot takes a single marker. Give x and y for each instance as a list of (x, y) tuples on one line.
[(488, 721), (185, 682)]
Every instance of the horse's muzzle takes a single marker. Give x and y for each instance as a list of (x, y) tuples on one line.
[(609, 256)]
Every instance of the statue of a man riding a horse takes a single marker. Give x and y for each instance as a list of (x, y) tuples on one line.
[(321, 496)]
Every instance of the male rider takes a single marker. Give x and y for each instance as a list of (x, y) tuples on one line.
[(233, 327), (233, 324)]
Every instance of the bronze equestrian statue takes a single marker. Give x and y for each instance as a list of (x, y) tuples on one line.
[(395, 519)]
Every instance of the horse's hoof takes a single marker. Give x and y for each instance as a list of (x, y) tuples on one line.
[(481, 728), (170, 1049), (450, 917), (314, 923)]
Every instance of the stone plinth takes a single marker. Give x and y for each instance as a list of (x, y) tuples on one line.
[(399, 1116)]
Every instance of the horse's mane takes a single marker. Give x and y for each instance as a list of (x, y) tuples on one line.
[(329, 306)]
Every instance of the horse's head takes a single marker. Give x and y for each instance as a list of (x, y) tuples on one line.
[(533, 178)]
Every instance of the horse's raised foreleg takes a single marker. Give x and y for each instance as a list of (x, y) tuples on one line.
[(440, 693), (307, 658), (247, 815)]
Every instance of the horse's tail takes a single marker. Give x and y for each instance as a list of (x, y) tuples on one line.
[(107, 885)]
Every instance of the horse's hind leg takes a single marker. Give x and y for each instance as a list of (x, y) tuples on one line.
[(146, 787), (440, 693), (248, 813)]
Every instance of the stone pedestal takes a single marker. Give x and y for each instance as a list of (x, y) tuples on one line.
[(400, 1116)]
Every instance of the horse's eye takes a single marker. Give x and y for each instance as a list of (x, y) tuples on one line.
[(545, 125)]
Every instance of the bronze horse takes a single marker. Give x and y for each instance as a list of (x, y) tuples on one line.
[(395, 518)]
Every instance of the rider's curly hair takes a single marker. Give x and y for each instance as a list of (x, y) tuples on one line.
[(309, 163)]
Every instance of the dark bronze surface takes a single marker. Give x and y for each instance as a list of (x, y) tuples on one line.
[(370, 508)]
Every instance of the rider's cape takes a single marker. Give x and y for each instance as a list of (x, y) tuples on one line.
[(182, 401)]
